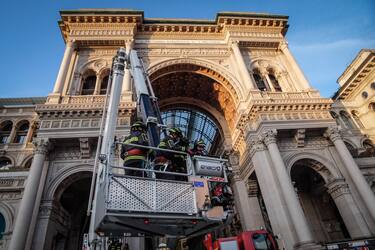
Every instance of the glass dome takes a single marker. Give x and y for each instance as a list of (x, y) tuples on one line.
[(195, 125)]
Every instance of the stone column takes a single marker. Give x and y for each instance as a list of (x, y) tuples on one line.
[(97, 85), (126, 83), (59, 84), (353, 169), (26, 208), (297, 70), (240, 193), (300, 223), (276, 208), (242, 66), (267, 81), (354, 222), (12, 133)]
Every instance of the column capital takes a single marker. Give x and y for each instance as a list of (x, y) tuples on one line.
[(71, 43), (234, 42), (256, 145), (42, 145), (333, 133), (129, 43), (337, 187), (283, 45), (234, 158), (269, 136)]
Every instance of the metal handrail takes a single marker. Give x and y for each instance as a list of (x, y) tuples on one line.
[(151, 170)]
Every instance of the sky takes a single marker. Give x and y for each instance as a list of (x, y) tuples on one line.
[(324, 35)]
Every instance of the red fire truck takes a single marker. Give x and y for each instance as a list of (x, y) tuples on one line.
[(249, 240)]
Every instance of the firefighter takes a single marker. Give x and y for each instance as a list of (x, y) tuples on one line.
[(174, 141), (198, 149), (135, 157), (221, 195)]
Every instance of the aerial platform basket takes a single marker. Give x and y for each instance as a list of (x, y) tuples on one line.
[(133, 206)]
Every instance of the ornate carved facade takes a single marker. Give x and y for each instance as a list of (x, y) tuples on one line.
[(292, 171)]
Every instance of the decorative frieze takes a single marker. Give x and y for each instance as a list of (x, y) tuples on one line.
[(165, 52)]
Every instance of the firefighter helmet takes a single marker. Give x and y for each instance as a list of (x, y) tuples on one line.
[(176, 131), (200, 143), (138, 125)]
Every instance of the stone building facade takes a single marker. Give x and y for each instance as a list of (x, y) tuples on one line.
[(292, 170)]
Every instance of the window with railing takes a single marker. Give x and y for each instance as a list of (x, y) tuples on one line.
[(21, 133), (104, 85), (261, 85), (5, 130), (88, 84), (275, 83)]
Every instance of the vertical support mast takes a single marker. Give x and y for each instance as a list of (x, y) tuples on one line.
[(147, 107), (117, 76)]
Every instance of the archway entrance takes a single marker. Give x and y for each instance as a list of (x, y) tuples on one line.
[(202, 95), (71, 199), (201, 102), (317, 204)]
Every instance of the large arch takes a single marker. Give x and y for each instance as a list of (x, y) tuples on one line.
[(322, 165), (69, 193), (322, 210), (8, 212), (62, 176), (196, 79), (208, 68), (200, 105)]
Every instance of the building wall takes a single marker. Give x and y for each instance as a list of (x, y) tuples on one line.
[(266, 130)]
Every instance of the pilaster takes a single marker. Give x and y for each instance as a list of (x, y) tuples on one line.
[(24, 215), (303, 232), (354, 222), (333, 133)]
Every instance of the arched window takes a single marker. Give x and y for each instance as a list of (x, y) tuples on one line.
[(356, 118), (5, 130), (21, 134), (371, 106), (275, 83), (28, 163), (347, 120), (104, 85), (369, 149), (335, 116), (368, 144), (88, 83), (353, 151), (259, 82), (5, 163), (2, 226)]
